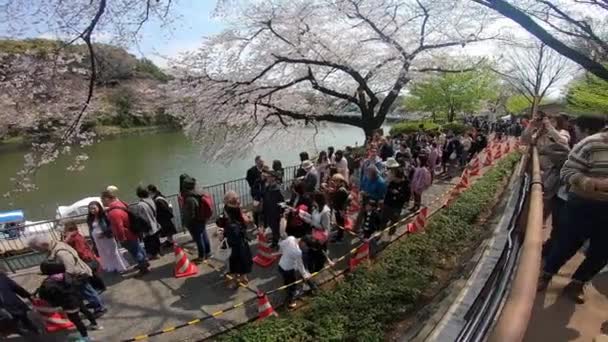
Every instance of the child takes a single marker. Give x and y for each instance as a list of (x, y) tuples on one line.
[(421, 180), (80, 245), (371, 220), (61, 290)]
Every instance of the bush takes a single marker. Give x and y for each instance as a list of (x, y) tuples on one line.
[(455, 127), (145, 67), (370, 300), (409, 127)]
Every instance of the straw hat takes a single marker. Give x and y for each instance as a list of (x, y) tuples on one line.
[(338, 177), (391, 163), (307, 165)]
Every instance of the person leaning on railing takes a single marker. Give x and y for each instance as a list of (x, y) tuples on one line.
[(585, 173)]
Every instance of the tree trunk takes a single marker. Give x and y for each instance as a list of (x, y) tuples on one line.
[(451, 115), (369, 128)]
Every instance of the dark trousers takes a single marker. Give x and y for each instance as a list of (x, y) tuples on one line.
[(200, 237), (288, 278), (340, 221), (584, 219), (557, 222), (74, 317), (275, 225), (137, 252), (417, 199), (152, 244), (390, 215), (24, 324)]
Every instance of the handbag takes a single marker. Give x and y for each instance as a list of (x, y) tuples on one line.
[(223, 252), (320, 235)]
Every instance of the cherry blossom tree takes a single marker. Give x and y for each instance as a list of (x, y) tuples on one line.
[(575, 29), (29, 94), (284, 63)]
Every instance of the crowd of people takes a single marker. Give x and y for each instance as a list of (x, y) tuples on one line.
[(383, 177), (573, 156)]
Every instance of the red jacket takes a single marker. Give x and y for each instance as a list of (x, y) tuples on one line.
[(76, 241), (119, 222)]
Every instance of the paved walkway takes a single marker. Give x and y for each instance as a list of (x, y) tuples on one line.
[(158, 300), (556, 318)]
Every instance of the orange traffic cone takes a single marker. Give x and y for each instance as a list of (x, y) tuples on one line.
[(498, 153), (348, 224), (264, 307), (54, 318), (265, 256), (475, 167), (183, 266), (464, 181), (355, 205), (419, 222), (488, 161), (360, 256)]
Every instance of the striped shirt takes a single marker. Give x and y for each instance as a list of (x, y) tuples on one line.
[(588, 159)]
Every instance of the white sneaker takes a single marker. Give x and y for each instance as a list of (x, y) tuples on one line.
[(95, 327)]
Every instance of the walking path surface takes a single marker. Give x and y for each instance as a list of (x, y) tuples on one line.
[(140, 306), (557, 318)]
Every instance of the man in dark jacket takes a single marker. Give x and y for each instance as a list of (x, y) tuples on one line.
[(15, 310), (300, 171), (270, 206), (192, 218), (256, 186)]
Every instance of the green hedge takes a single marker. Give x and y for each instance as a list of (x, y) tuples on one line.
[(370, 300), (408, 127)]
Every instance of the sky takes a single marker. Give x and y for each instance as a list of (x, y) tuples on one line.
[(194, 21)]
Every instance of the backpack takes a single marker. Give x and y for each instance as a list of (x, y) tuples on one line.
[(205, 205), (137, 223)]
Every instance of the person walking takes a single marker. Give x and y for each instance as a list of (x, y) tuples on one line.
[(339, 198), (101, 234), (256, 187), (233, 224), (396, 198), (323, 166), (586, 174), (75, 240), (164, 215), (421, 180), (311, 179), (61, 253), (277, 166), (193, 220), (13, 311), (118, 216), (61, 289), (300, 171), (146, 209), (290, 264), (371, 160), (271, 209), (341, 164), (373, 185)]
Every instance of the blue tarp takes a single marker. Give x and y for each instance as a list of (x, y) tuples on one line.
[(12, 216)]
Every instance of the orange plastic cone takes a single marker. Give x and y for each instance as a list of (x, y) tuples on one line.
[(419, 222), (265, 256), (464, 181), (54, 318), (488, 160), (183, 266), (355, 205), (264, 307), (475, 167), (360, 256), (498, 153)]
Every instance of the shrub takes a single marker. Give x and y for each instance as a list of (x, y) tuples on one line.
[(370, 300), (455, 127), (145, 67), (408, 127)]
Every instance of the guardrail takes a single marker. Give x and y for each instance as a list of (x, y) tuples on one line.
[(513, 320), (16, 255)]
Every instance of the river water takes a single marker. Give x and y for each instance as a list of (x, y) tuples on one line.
[(158, 158)]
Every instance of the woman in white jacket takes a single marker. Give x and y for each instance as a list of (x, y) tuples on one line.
[(290, 264), (320, 221)]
